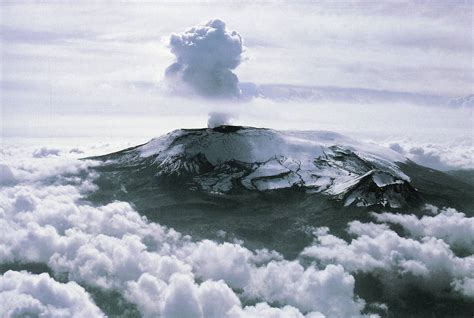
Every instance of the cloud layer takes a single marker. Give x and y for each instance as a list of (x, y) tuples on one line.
[(447, 224), (43, 219), (454, 154), (205, 57), (27, 295), (425, 258), (111, 247)]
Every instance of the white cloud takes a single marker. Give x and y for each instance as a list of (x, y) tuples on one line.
[(465, 101), (210, 299), (181, 299), (464, 286), (226, 261), (217, 299), (427, 158), (307, 289), (263, 310), (454, 153), (45, 152), (27, 295), (113, 247), (424, 260), (6, 175), (450, 225), (161, 271)]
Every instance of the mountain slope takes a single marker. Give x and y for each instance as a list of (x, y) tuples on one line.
[(233, 160)]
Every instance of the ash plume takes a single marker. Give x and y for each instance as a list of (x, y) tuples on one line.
[(205, 57)]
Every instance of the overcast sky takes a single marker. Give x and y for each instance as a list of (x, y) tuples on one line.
[(66, 67)]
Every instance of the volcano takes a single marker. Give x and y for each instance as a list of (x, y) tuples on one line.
[(268, 187), (236, 160)]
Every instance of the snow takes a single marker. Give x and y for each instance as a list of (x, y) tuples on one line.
[(161, 143), (279, 182), (268, 169), (259, 145), (265, 159), (383, 179), (344, 183)]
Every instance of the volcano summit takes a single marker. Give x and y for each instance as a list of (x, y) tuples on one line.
[(235, 160)]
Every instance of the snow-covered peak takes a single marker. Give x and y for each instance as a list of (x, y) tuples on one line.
[(229, 159), (250, 145)]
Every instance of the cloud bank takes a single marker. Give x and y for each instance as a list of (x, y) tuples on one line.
[(448, 224), (27, 295), (425, 258), (44, 219), (6, 175), (45, 152), (449, 155), (205, 57)]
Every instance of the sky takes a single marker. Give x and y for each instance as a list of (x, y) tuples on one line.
[(395, 72), (80, 79)]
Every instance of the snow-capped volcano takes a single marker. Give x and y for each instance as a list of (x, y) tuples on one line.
[(232, 159)]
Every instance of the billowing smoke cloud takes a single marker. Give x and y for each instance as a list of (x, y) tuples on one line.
[(205, 57), (217, 119)]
